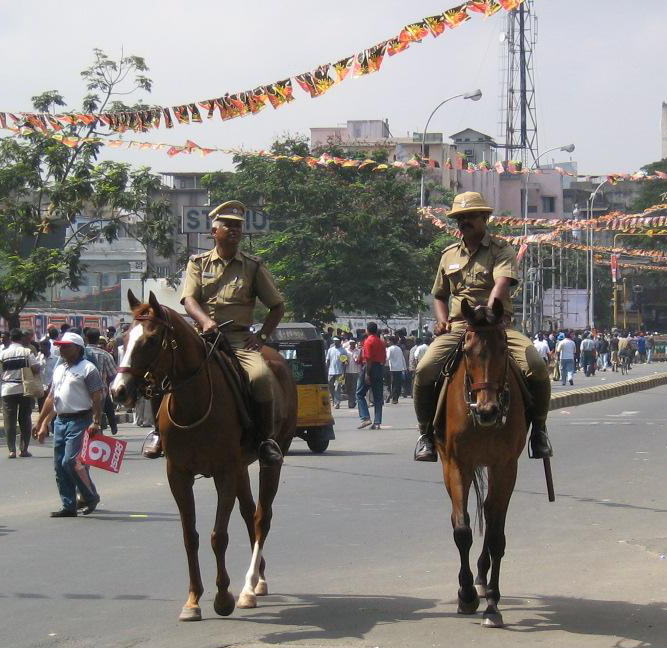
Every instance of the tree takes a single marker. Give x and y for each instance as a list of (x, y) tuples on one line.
[(341, 238), (45, 186), (653, 192)]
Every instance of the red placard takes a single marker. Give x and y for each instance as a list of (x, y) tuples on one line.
[(102, 452)]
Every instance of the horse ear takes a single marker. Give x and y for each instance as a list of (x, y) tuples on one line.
[(134, 302), (467, 310), (497, 309), (155, 304)]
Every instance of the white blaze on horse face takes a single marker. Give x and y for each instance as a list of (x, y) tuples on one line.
[(134, 335)]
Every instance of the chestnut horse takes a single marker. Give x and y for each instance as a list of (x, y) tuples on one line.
[(485, 428), (201, 433)]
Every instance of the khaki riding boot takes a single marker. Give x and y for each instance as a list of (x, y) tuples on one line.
[(539, 445), (268, 450), (424, 400)]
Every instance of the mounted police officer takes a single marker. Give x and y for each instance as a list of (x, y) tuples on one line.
[(223, 285), (480, 267)]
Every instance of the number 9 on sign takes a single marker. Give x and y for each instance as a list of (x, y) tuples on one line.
[(99, 451)]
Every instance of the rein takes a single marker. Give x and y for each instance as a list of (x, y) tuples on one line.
[(168, 386), (501, 387)]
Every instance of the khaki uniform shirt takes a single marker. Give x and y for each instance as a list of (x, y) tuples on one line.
[(228, 289), (461, 274)]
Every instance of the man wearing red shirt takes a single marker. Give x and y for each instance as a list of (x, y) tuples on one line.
[(373, 356)]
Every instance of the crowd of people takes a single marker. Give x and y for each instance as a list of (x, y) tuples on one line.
[(380, 365), (568, 352)]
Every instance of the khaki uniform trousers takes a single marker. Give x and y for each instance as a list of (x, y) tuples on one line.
[(522, 351), (260, 376)]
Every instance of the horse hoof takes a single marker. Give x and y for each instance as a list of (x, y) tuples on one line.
[(469, 607), (480, 588), (492, 620), (190, 614), (247, 600), (224, 604), (261, 589)]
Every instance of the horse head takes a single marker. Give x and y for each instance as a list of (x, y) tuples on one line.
[(485, 354), (144, 359)]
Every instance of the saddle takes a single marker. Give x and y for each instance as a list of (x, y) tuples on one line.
[(449, 367)]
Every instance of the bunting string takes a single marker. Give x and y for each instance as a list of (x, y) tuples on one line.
[(250, 102)]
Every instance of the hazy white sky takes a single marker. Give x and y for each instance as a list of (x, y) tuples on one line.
[(600, 67)]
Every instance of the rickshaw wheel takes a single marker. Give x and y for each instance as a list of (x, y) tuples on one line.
[(317, 440)]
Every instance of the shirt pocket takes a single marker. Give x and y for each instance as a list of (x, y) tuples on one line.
[(235, 292), (453, 277), (482, 277), (209, 287)]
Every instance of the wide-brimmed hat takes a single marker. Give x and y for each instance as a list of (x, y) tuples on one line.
[(70, 338), (468, 202), (230, 210)]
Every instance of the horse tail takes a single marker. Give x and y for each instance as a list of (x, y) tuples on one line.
[(479, 484)]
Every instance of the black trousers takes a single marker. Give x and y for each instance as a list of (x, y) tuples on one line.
[(396, 382), (17, 406), (110, 413)]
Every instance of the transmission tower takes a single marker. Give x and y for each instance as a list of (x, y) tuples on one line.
[(518, 113)]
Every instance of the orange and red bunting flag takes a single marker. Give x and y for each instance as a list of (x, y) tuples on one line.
[(454, 17), (167, 118), (307, 83), (394, 46), (498, 166), (208, 106), (492, 7), (322, 79), (478, 6), (459, 161), (414, 32), (280, 92), (436, 24), (257, 99), (342, 68), (194, 113), (369, 60), (3, 120), (181, 114), (508, 5)]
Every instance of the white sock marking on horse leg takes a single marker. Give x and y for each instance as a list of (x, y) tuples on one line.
[(247, 598)]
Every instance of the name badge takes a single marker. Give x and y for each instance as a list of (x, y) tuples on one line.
[(454, 266), (208, 275)]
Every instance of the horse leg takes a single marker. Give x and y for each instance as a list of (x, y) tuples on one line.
[(226, 485), (458, 487), (247, 509), (501, 484), (484, 561), (269, 478), (180, 483)]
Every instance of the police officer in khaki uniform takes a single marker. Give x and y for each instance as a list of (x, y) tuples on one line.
[(480, 268), (223, 285)]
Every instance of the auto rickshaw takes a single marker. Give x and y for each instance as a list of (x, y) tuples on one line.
[(304, 349)]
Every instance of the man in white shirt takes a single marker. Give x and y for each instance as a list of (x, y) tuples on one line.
[(566, 348), (334, 359), (396, 364), (15, 404), (542, 347), (75, 399)]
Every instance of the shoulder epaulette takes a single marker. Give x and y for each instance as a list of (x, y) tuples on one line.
[(498, 241), (453, 245), (194, 257), (252, 257)]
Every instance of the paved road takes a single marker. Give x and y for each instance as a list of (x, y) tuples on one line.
[(361, 552)]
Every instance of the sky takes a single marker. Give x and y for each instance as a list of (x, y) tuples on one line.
[(600, 69)]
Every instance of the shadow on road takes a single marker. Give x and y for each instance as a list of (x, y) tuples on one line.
[(592, 500), (318, 617), (334, 453), (132, 516)]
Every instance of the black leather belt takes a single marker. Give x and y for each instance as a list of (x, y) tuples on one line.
[(72, 416)]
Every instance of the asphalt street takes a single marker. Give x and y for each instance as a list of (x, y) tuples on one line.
[(361, 550)]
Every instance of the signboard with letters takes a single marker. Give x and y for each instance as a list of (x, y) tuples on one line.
[(196, 220), (102, 452)]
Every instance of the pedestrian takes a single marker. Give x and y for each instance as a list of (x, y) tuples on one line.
[(650, 345), (396, 363), (336, 369), (641, 347), (542, 347), (76, 401), (588, 355), (47, 363), (566, 350), (603, 350), (352, 372), (613, 349), (374, 356), (16, 405), (105, 364)]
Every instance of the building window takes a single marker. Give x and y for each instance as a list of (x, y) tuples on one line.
[(532, 209), (548, 204), (162, 271), (186, 183)]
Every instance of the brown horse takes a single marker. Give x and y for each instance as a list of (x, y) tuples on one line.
[(485, 428), (201, 433)]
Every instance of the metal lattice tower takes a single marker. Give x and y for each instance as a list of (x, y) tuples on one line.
[(518, 112)]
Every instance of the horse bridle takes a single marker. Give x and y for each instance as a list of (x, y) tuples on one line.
[(501, 387), (147, 387)]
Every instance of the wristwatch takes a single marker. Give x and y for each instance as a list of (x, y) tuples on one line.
[(263, 337)]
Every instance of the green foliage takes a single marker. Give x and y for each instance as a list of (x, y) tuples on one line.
[(44, 185), (653, 192), (341, 238)]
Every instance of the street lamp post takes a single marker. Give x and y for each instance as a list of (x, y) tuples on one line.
[(591, 298), (474, 95), (524, 309)]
